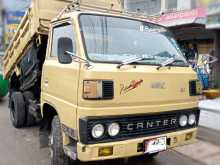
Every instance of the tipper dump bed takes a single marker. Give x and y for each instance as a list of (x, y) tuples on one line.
[(98, 78), (36, 22)]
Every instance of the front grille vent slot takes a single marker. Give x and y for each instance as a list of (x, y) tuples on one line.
[(108, 89)]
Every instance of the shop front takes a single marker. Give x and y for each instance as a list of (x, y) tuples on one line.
[(189, 29), (213, 24)]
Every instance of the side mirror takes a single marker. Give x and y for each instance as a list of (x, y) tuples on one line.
[(65, 44)]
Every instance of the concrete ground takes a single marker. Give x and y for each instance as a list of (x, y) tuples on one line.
[(21, 147)]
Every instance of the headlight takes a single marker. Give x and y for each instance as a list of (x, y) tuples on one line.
[(113, 129), (92, 89), (98, 131), (183, 120), (192, 119)]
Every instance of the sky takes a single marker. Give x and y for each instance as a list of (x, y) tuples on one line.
[(16, 5)]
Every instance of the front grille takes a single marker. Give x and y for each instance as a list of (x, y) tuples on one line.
[(108, 89), (135, 126)]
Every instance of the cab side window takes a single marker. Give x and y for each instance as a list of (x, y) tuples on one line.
[(63, 40)]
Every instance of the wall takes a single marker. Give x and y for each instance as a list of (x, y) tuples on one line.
[(183, 4), (156, 7), (149, 7), (178, 5)]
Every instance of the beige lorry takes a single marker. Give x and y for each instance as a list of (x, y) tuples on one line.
[(103, 83)]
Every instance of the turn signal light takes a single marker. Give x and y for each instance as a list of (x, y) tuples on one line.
[(189, 136), (92, 89), (106, 151), (198, 88), (195, 88)]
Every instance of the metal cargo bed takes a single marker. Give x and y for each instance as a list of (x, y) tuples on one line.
[(36, 22)]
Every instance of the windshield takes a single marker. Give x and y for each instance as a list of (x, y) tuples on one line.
[(114, 39)]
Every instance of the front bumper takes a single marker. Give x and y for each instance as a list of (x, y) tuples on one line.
[(129, 148)]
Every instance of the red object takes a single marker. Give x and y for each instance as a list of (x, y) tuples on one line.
[(134, 84), (187, 16)]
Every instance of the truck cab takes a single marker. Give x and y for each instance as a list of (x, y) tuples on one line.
[(104, 84), (105, 77)]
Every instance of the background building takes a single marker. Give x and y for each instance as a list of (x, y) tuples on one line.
[(11, 12), (213, 24), (1, 29), (14, 11), (156, 7), (149, 7)]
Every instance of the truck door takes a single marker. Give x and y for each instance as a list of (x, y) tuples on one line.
[(60, 80)]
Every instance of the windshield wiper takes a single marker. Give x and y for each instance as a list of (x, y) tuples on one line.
[(133, 60), (169, 62)]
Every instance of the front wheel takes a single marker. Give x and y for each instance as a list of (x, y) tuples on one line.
[(152, 156), (58, 156), (148, 156)]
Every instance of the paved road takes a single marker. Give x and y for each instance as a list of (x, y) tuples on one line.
[(210, 119), (21, 147)]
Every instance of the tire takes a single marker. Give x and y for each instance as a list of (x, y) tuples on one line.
[(30, 119), (17, 110), (58, 156), (152, 156), (148, 156)]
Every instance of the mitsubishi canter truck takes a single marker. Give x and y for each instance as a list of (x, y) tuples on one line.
[(102, 82)]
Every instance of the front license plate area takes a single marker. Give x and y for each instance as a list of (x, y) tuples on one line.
[(155, 145)]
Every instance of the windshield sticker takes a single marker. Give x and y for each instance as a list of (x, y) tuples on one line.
[(133, 85), (153, 30)]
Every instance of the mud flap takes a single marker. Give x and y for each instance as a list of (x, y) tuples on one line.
[(44, 134)]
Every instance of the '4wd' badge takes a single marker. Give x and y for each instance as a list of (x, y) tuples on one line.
[(133, 85), (158, 85)]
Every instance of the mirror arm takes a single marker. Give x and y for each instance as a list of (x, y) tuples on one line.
[(74, 56)]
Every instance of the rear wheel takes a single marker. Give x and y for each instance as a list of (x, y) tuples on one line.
[(17, 110), (58, 156)]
